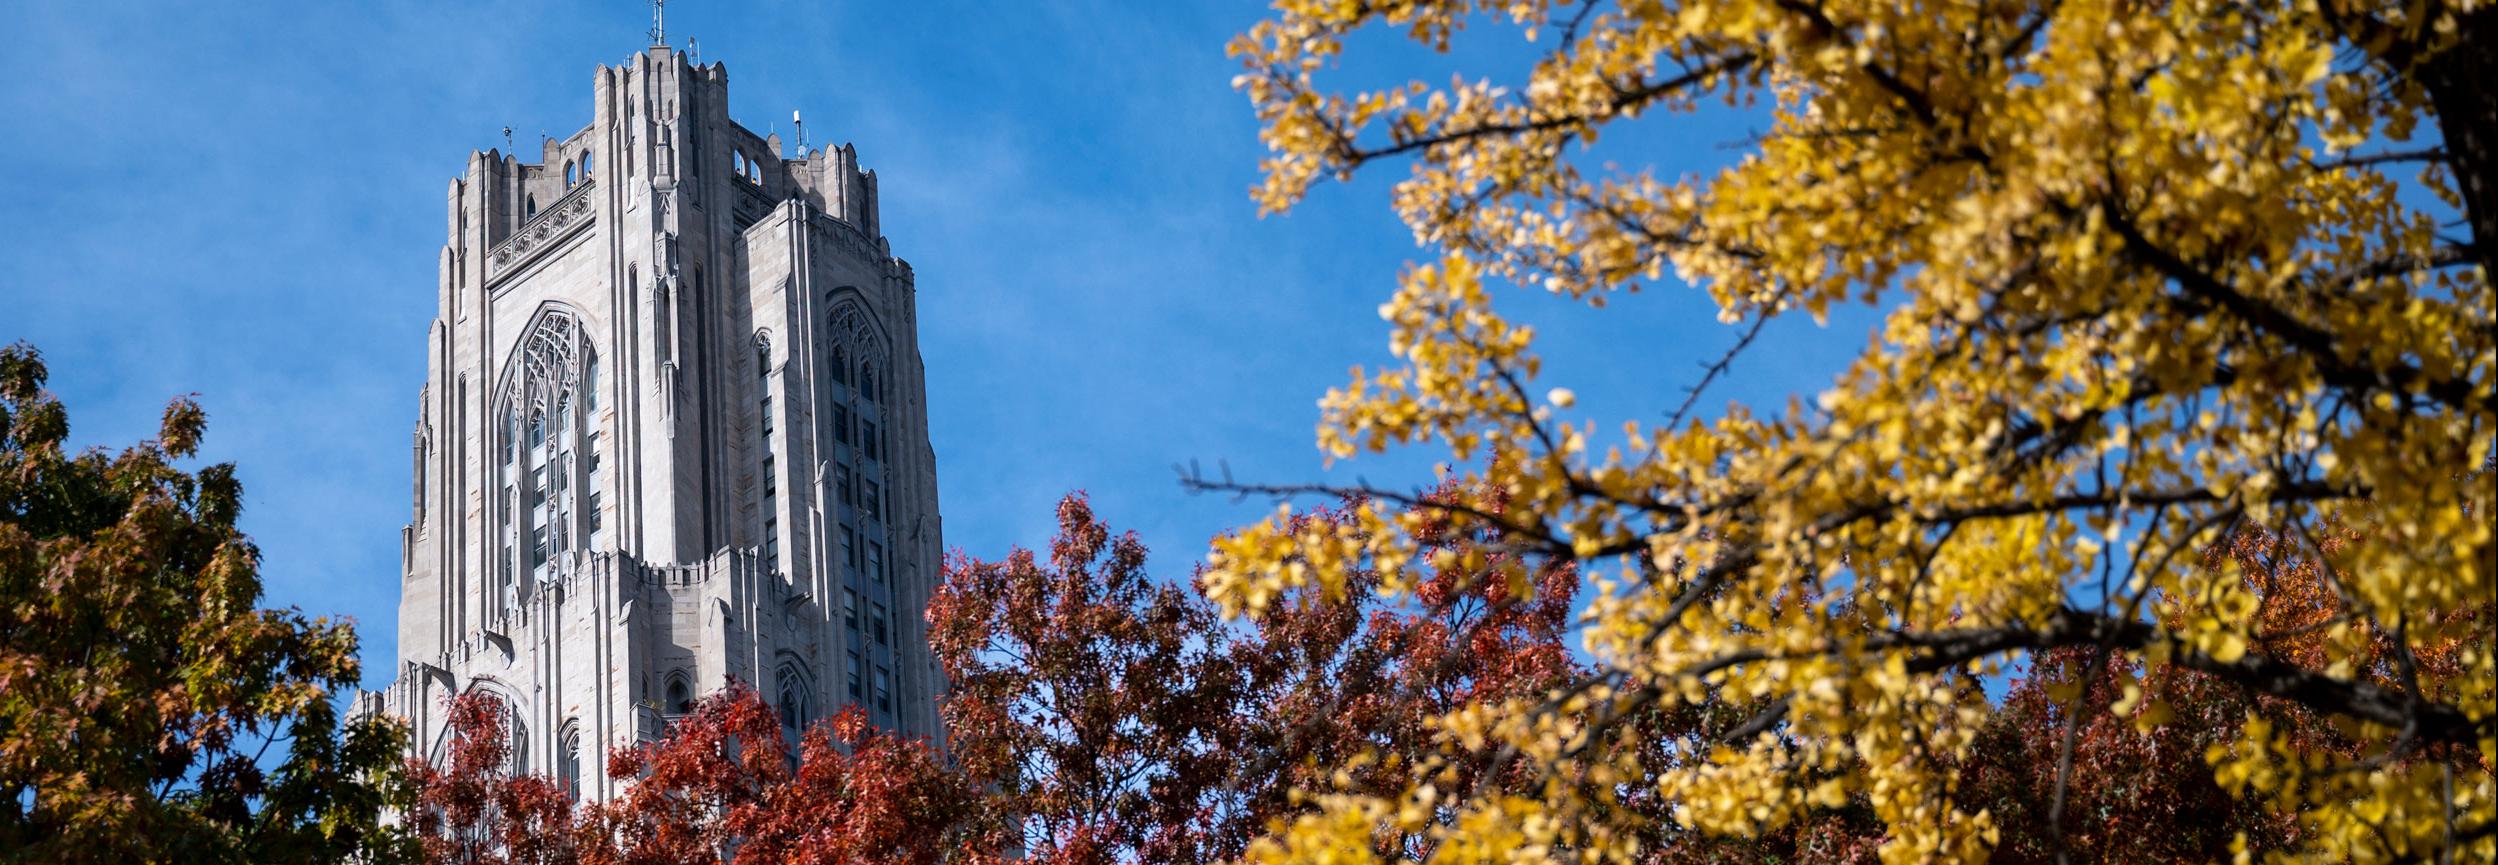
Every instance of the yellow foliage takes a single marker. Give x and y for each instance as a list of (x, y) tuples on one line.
[(2144, 280)]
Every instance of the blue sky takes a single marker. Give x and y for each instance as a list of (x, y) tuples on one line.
[(245, 201)]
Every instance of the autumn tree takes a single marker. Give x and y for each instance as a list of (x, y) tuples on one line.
[(2125, 747), (148, 711), (1344, 686), (1086, 694), (2148, 275), (472, 809), (724, 785), (1120, 720)]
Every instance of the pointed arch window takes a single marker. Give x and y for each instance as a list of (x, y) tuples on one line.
[(795, 699), (568, 759), (853, 352), (585, 165), (680, 694), (572, 174), (547, 453), (530, 211), (515, 732)]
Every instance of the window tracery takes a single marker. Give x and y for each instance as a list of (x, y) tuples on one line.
[(547, 454), (795, 698)]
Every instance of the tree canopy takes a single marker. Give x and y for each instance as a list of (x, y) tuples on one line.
[(724, 784), (1119, 719), (148, 711), (2148, 276)]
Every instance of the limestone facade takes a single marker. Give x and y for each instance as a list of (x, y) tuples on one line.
[(673, 432)]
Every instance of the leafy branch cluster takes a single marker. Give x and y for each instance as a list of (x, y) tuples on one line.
[(2146, 284)]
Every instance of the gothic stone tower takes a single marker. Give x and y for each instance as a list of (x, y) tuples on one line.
[(673, 431)]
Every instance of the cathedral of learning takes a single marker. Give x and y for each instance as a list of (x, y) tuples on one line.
[(673, 432)]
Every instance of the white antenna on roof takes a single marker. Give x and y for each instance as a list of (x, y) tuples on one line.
[(802, 132), (659, 27)]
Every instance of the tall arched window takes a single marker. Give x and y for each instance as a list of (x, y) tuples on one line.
[(737, 162), (530, 210), (795, 703), (515, 733), (547, 402), (572, 174), (568, 759), (585, 165)]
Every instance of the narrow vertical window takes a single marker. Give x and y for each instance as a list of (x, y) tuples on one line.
[(568, 760), (793, 701), (876, 561), (883, 637), (519, 762), (884, 690), (871, 500), (850, 608), (851, 673), (420, 478)]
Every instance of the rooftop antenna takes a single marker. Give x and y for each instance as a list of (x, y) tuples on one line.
[(507, 140), (659, 23), (802, 132)]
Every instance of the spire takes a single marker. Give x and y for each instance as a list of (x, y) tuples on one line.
[(659, 28)]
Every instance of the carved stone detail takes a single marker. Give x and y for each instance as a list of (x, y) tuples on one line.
[(569, 214)]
